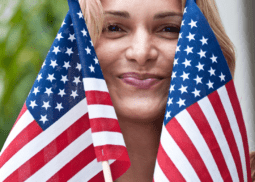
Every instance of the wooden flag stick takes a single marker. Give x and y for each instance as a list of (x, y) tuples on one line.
[(107, 171)]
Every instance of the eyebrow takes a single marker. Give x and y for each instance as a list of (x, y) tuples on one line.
[(161, 15)]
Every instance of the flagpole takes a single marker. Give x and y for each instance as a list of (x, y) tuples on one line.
[(107, 171)]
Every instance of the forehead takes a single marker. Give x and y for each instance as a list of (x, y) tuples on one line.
[(145, 7)]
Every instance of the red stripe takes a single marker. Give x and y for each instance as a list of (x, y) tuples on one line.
[(75, 165), (239, 117), (166, 163), (24, 137), (104, 124), (189, 150), (225, 125), (98, 97), (51, 150), (23, 110), (118, 168), (106, 152), (199, 118)]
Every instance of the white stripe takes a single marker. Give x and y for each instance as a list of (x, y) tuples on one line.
[(65, 156), (95, 84), (158, 175), (101, 111), (214, 123), (43, 139), (23, 122), (106, 137), (177, 156), (198, 141), (89, 171), (234, 126)]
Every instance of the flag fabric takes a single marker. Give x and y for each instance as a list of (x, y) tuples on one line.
[(67, 124), (203, 136)]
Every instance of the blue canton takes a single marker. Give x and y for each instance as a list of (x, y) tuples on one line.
[(199, 65)]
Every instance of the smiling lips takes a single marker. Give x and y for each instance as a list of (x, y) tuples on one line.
[(141, 81)]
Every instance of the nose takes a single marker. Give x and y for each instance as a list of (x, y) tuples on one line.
[(141, 48)]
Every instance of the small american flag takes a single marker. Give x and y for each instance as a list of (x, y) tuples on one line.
[(67, 124), (203, 135)]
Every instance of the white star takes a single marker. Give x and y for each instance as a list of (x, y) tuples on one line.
[(173, 75), (185, 10), (43, 64), (74, 94), (59, 106), (88, 50), (33, 104), (56, 50), (59, 36), (202, 53), (181, 102), (193, 23), (53, 63), (185, 76), (64, 79), (51, 77), (71, 24), (175, 62), (63, 23), (170, 101), (177, 49), (187, 63), (96, 60), (76, 80), (168, 114), (78, 66), (80, 14), (196, 92), (71, 37), (46, 105), (214, 59), (61, 92), (210, 84), (92, 69), (211, 71), (43, 119), (39, 77), (36, 90), (222, 77), (67, 65), (189, 50), (183, 89), (198, 79), (171, 88), (91, 43), (191, 37), (48, 91), (200, 66), (182, 23), (84, 32), (69, 51), (180, 36), (204, 40)]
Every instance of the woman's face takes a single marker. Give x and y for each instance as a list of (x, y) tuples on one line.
[(136, 52)]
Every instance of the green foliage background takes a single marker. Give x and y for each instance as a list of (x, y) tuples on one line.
[(25, 39)]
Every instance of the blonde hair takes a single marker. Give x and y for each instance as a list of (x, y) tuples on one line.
[(94, 16)]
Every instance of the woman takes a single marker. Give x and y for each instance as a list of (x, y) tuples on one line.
[(135, 41)]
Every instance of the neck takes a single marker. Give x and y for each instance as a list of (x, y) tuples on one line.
[(142, 141)]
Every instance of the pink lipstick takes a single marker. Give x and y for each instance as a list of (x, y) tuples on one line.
[(141, 81)]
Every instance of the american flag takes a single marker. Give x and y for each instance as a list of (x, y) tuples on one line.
[(203, 135), (67, 124)]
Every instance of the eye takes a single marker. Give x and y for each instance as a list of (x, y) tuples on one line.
[(112, 28), (169, 31)]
